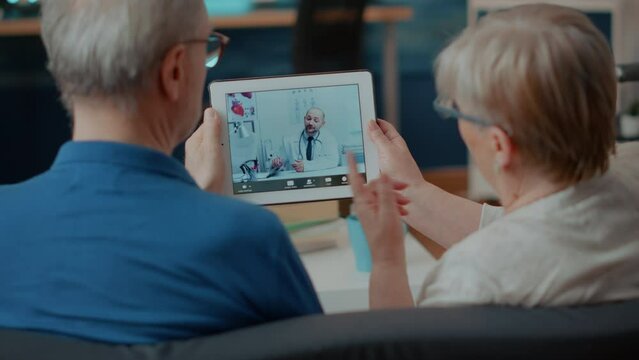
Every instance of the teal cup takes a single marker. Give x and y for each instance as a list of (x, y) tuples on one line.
[(359, 244)]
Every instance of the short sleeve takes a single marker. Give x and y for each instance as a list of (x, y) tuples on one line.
[(489, 214)]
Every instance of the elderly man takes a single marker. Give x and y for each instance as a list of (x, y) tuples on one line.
[(116, 242), (313, 148)]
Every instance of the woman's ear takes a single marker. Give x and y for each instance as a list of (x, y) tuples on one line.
[(503, 148), (173, 72)]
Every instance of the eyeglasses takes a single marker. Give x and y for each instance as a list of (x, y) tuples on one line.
[(449, 110), (215, 45)]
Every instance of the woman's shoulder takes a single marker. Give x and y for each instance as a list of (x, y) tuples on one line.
[(496, 264), (628, 150), (625, 165), (505, 244)]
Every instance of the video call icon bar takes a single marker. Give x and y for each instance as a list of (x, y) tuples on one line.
[(290, 184)]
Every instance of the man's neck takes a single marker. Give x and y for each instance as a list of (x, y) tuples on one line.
[(100, 122)]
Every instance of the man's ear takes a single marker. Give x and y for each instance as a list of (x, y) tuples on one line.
[(173, 72), (502, 146)]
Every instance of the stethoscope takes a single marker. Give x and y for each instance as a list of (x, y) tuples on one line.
[(299, 142)]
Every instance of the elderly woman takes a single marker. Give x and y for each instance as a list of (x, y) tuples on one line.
[(535, 93)]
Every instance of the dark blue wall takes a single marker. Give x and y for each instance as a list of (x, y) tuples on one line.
[(33, 123), (433, 141)]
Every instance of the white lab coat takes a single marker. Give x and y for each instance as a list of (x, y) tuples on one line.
[(325, 151)]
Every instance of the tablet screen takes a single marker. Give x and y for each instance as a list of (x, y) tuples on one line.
[(294, 139)]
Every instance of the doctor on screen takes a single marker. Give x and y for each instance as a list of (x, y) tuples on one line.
[(313, 148)]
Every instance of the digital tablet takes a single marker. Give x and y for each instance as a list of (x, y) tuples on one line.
[(288, 138)]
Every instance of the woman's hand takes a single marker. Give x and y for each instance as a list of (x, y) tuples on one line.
[(379, 207), (433, 212), (395, 158), (204, 157)]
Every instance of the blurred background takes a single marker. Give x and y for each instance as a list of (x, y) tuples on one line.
[(33, 123)]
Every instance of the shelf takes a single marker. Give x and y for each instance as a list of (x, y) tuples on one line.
[(261, 18)]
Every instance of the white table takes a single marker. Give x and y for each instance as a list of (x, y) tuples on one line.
[(341, 288)]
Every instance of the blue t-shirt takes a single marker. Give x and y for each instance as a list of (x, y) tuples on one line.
[(116, 243)]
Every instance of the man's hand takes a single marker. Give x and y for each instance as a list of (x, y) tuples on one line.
[(395, 159), (298, 166), (277, 163), (204, 154)]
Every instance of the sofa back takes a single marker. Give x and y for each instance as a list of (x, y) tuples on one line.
[(607, 332)]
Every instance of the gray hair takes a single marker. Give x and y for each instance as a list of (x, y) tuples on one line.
[(107, 48)]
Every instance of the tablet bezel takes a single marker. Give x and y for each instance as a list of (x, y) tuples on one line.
[(363, 79)]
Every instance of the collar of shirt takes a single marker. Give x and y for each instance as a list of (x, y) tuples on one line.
[(306, 136), (120, 154), (553, 205)]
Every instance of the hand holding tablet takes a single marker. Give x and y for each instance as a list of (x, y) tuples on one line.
[(288, 137), (203, 158)]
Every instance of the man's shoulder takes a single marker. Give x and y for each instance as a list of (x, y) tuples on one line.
[(231, 206), (237, 216), (327, 133), (292, 135), (23, 190)]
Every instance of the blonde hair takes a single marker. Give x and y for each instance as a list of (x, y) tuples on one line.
[(545, 74)]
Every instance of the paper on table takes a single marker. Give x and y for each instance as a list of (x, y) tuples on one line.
[(318, 236)]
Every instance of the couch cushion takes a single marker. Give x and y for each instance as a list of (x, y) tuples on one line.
[(606, 331)]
